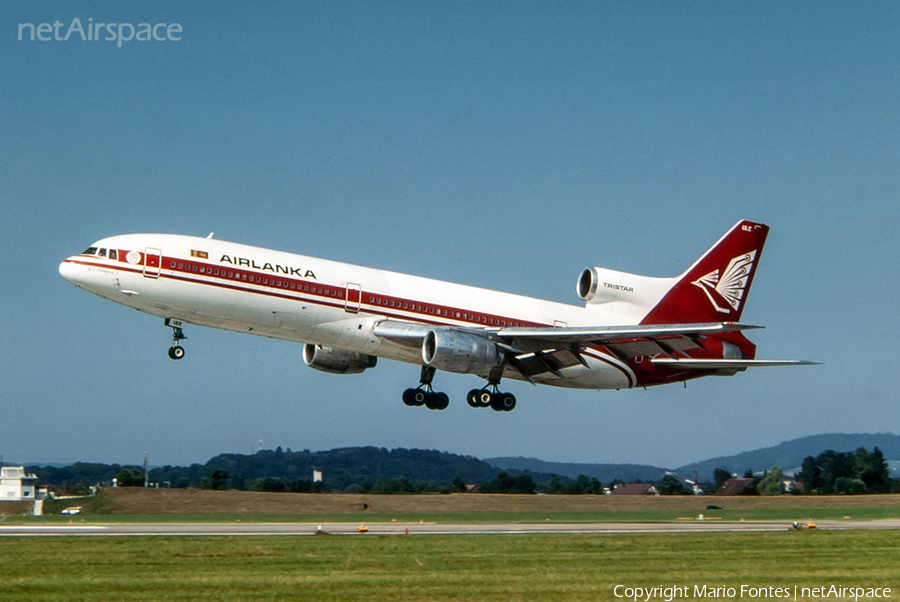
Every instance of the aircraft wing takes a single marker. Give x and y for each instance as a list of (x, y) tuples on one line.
[(527, 339), (630, 340), (700, 364), (534, 351)]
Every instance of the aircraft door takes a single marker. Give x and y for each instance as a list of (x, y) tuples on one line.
[(353, 298), (152, 262)]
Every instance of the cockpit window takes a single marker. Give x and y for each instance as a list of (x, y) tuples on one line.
[(113, 254), (90, 251), (102, 253)]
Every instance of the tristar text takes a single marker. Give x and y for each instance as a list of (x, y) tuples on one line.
[(278, 269)]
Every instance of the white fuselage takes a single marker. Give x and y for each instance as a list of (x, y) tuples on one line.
[(269, 293)]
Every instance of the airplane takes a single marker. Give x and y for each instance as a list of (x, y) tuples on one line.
[(633, 331)]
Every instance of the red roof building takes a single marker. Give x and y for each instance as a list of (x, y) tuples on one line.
[(634, 489), (733, 486)]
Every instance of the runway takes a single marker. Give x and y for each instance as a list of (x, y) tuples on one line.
[(396, 528)]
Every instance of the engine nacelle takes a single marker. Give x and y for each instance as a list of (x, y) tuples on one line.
[(600, 285), (337, 361), (459, 352)]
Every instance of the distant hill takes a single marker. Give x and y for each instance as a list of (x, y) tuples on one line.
[(361, 466), (340, 467), (790, 454), (603, 472)]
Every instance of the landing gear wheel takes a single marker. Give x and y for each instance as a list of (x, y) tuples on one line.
[(415, 397), (503, 402), (437, 401), (176, 352), (409, 397), (472, 398), (485, 398)]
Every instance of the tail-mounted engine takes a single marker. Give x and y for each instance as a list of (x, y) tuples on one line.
[(621, 291), (337, 361), (459, 352)]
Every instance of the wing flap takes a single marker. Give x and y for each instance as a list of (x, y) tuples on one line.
[(651, 347), (542, 362)]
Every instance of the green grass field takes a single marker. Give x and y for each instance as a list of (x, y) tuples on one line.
[(466, 567)]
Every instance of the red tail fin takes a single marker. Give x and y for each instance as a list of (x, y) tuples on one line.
[(715, 288)]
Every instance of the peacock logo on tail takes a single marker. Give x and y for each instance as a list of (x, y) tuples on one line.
[(730, 286)]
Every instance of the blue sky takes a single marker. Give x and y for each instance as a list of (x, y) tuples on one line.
[(499, 144)]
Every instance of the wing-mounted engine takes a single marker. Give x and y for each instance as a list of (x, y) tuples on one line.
[(337, 361), (620, 291), (460, 352)]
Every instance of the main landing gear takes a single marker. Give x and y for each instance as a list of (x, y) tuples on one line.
[(176, 351), (491, 397), (490, 394), (487, 397), (423, 395)]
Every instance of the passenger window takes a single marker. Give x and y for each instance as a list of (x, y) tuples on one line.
[(180, 266)]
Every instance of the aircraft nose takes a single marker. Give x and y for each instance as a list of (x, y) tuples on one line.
[(70, 271)]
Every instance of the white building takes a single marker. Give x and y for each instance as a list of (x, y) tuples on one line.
[(16, 485)]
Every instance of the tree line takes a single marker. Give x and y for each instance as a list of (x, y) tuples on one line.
[(830, 473), (397, 471)]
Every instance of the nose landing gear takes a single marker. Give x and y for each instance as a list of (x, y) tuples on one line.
[(176, 351)]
